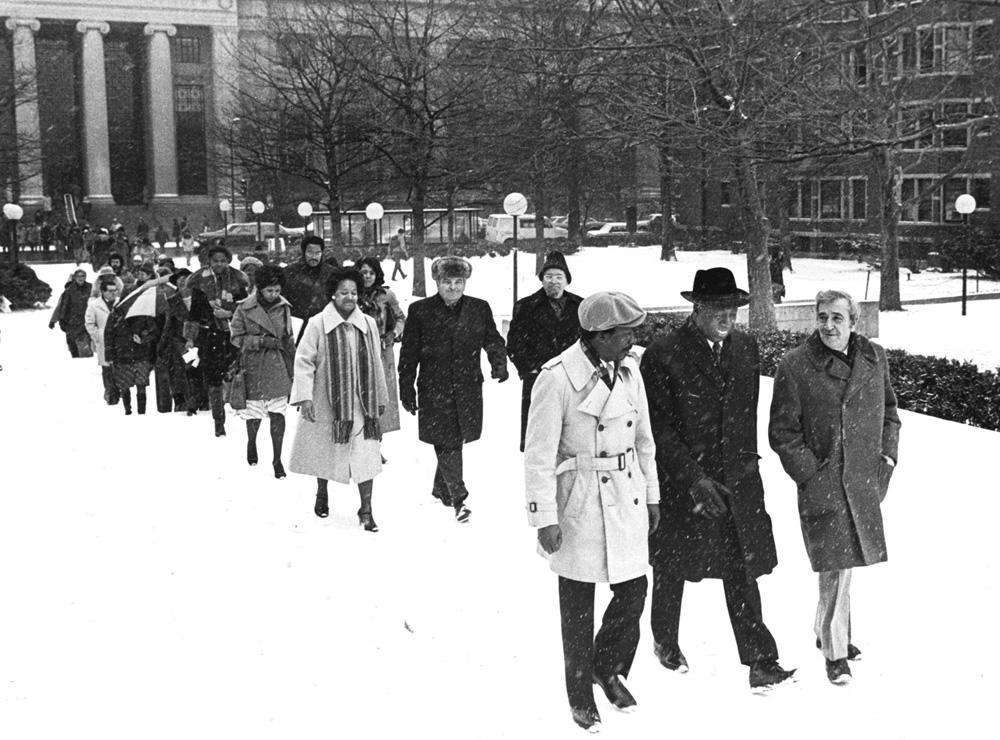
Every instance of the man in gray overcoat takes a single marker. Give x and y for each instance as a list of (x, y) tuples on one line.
[(703, 381), (835, 427), (590, 483)]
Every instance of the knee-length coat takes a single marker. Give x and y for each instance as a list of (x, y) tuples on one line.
[(445, 345), (383, 306), (313, 451), (831, 425), (704, 420), (96, 319), (267, 370), (576, 424)]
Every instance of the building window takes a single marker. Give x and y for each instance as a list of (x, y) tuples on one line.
[(979, 187), (187, 49), (802, 199), (830, 199), (917, 127), (925, 50), (982, 42), (955, 114), (192, 153), (919, 198), (725, 193), (859, 57), (859, 198), (908, 51)]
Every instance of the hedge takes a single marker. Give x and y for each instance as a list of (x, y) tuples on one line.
[(935, 386), (22, 287)]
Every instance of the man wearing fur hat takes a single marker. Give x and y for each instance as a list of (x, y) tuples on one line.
[(543, 324), (590, 483), (443, 338), (703, 381)]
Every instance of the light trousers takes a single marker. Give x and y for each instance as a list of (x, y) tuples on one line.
[(833, 613)]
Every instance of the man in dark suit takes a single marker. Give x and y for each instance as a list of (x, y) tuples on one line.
[(443, 337), (702, 381), (542, 326)]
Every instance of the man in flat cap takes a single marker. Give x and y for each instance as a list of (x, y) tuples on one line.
[(543, 325), (443, 337), (703, 380), (591, 489)]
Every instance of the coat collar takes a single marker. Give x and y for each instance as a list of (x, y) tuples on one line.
[(332, 319), (865, 362), (601, 401), (699, 351)]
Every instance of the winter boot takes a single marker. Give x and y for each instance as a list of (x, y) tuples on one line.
[(140, 399), (253, 425), (365, 518), (127, 401), (322, 508), (218, 409), (277, 422)]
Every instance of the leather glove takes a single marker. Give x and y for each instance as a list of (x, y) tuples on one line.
[(269, 343), (52, 325), (408, 399), (550, 538), (707, 495), (654, 516), (500, 374)]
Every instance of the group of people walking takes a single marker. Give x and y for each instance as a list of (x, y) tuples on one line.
[(630, 461)]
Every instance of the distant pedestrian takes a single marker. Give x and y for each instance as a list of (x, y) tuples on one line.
[(340, 390), (69, 314), (130, 346), (96, 321), (835, 428), (397, 248), (75, 243), (160, 236), (141, 228), (262, 330), (187, 246), (175, 232)]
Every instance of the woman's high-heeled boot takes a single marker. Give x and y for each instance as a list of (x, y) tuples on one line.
[(277, 422), (365, 518), (252, 426), (322, 508), (140, 399), (127, 401)]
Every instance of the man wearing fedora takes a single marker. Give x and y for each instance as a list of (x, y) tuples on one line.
[(542, 325), (443, 340), (590, 484), (703, 381)]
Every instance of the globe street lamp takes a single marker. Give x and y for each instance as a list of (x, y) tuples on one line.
[(965, 204), (224, 206), (13, 213), (374, 213), (515, 205), (257, 208), (232, 165), (305, 211)]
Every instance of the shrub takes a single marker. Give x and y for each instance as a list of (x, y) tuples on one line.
[(22, 287), (946, 389)]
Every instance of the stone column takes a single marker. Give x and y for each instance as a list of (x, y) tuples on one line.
[(224, 85), (95, 112), (29, 130), (161, 112)]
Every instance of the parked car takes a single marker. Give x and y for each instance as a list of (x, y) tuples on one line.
[(243, 235), (500, 228), (611, 227)]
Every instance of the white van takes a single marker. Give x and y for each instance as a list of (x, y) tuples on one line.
[(500, 228)]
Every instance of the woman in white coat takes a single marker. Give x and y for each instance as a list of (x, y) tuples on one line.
[(95, 319), (592, 492), (339, 387)]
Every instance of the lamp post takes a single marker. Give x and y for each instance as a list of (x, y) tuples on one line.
[(232, 165), (965, 204), (257, 208), (305, 211), (374, 212), (224, 206), (13, 213), (515, 205)]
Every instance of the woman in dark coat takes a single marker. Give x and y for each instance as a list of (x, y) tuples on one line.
[(444, 337), (378, 301), (130, 347), (835, 427), (262, 330), (69, 314)]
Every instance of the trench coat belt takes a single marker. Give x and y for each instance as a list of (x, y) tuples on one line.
[(587, 463)]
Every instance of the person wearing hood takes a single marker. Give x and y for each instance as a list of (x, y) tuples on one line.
[(249, 266), (69, 314), (542, 325), (96, 320), (215, 291), (262, 331), (95, 292), (305, 281)]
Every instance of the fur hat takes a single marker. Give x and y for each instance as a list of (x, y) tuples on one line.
[(450, 266), (556, 261), (609, 310), (248, 260)]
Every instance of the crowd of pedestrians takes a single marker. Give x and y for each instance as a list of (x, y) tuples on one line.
[(630, 460)]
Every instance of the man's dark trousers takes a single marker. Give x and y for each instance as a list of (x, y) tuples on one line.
[(448, 483), (612, 651)]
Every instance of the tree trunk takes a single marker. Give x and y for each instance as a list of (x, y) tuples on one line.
[(756, 231), (541, 209), (417, 202), (886, 175), (667, 252)]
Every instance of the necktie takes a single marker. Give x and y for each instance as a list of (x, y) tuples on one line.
[(717, 352)]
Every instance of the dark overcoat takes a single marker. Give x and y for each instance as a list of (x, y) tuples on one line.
[(446, 349), (72, 307), (305, 288), (537, 335), (704, 423), (830, 425)]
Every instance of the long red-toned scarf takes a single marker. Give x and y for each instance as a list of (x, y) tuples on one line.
[(346, 375)]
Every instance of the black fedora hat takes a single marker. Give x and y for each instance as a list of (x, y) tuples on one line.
[(716, 287)]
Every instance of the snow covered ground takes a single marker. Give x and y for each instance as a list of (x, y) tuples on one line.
[(155, 586)]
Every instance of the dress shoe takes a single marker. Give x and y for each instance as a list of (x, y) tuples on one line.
[(671, 657), (619, 696), (462, 514), (765, 673), (279, 470), (366, 520), (322, 507), (838, 671), (588, 719), (220, 429), (853, 652), (251, 453)]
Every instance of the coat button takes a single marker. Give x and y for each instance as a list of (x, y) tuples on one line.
[(636, 502), (630, 474), (600, 427), (628, 424), (603, 454), (604, 479)]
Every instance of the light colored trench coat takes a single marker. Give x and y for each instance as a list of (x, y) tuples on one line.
[(314, 451), (95, 319), (576, 423)]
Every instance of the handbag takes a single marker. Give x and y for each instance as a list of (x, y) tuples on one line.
[(235, 387)]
